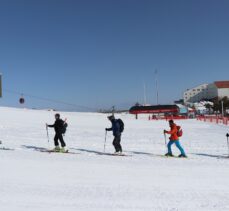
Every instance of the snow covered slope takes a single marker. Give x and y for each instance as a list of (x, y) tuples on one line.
[(144, 180)]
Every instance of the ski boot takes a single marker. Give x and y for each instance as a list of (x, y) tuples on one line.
[(63, 150), (120, 153), (56, 149), (169, 155), (182, 156)]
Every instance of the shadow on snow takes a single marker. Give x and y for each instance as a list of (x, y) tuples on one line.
[(90, 151), (35, 148), (211, 156)]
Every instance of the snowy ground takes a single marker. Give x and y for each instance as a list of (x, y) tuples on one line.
[(33, 180)]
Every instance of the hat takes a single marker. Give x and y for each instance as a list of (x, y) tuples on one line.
[(111, 117), (171, 121), (57, 115)]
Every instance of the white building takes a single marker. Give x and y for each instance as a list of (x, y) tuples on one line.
[(195, 94), (216, 90), (222, 89)]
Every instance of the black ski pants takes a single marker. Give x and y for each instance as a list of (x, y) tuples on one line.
[(116, 143), (59, 137)]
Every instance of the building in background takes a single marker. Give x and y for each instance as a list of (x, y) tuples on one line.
[(213, 91), (219, 89), (196, 94)]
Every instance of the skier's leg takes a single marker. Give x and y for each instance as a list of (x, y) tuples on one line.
[(119, 144), (170, 147), (178, 145), (62, 140), (56, 140), (115, 144), (57, 148)]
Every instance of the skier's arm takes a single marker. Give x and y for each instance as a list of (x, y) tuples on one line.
[(171, 131), (51, 125)]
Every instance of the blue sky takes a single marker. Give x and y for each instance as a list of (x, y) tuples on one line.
[(97, 53)]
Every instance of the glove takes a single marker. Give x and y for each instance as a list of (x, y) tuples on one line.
[(106, 129), (227, 134), (165, 131)]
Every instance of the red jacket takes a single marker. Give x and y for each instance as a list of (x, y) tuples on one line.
[(173, 133)]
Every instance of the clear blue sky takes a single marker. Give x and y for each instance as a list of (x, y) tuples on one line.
[(97, 53)]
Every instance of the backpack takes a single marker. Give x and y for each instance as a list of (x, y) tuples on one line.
[(64, 127), (179, 131), (121, 125)]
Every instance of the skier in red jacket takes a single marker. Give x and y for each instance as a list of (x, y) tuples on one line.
[(174, 139)]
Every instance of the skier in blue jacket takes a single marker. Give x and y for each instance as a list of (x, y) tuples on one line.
[(117, 132)]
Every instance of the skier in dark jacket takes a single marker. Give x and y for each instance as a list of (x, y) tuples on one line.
[(58, 127), (116, 129)]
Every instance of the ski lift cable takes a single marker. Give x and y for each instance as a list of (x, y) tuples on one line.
[(50, 100)]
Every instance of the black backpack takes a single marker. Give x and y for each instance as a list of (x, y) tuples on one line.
[(64, 127), (121, 125)]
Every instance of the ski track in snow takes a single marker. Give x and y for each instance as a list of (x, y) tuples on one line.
[(87, 180)]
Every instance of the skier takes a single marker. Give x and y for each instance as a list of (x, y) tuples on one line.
[(117, 128), (174, 139), (59, 128), (227, 135)]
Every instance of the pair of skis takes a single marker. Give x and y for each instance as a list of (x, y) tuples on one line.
[(57, 152)]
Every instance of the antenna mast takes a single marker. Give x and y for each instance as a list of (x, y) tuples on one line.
[(144, 85), (156, 81)]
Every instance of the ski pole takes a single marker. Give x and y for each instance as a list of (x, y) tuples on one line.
[(228, 143), (165, 141), (47, 133), (105, 142)]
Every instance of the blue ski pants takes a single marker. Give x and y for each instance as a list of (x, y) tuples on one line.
[(178, 145)]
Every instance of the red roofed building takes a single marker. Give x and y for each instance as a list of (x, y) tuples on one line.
[(216, 90), (222, 84)]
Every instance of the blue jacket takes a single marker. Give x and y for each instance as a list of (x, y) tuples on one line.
[(115, 128)]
